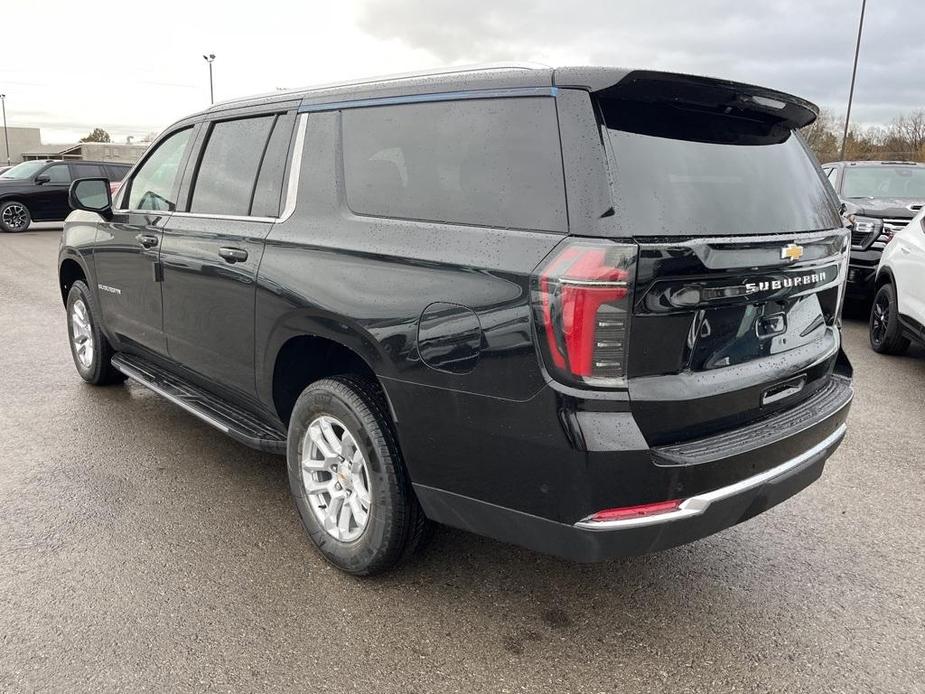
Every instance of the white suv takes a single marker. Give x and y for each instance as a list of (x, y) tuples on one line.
[(898, 313)]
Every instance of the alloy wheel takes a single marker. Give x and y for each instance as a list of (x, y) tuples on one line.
[(82, 334), (335, 478), (880, 319), (15, 216)]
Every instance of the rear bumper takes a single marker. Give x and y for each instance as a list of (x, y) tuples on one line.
[(720, 480), (585, 541)]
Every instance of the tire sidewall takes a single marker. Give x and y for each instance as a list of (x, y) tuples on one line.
[(93, 373), (3, 226), (367, 549), (892, 325)]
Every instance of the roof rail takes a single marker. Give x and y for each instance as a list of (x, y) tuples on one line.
[(436, 72)]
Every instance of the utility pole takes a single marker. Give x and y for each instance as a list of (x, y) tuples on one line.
[(6, 137), (854, 72), (209, 58)]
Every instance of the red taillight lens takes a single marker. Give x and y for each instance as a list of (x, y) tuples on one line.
[(582, 297), (625, 512)]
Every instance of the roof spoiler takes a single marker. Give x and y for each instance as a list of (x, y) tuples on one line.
[(691, 92)]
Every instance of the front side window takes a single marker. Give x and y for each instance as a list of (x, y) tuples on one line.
[(58, 174), (154, 185), (884, 182), (228, 169), (491, 162), (21, 172)]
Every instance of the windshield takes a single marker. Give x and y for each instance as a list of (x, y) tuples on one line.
[(884, 182), (27, 169), (688, 174)]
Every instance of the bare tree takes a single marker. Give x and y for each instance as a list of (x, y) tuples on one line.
[(902, 140)]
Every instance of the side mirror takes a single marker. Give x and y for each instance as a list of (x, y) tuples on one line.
[(92, 195), (42, 179)]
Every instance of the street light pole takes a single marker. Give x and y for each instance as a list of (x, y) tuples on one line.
[(6, 137), (854, 72), (209, 58)]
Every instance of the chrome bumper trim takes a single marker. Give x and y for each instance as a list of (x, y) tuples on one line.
[(697, 505)]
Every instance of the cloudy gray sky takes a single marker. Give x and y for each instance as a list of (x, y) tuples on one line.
[(132, 68)]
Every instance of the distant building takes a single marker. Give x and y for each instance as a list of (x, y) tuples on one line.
[(21, 140), (91, 151)]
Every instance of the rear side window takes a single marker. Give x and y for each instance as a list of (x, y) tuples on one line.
[(269, 190), (229, 165), (117, 173), (88, 171), (491, 162)]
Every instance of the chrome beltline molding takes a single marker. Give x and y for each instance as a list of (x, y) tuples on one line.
[(697, 505)]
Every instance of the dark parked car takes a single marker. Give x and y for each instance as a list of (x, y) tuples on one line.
[(36, 191), (880, 198), (590, 311)]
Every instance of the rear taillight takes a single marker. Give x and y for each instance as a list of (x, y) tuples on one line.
[(582, 300)]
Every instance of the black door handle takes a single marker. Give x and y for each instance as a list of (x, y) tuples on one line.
[(233, 255), (146, 240)]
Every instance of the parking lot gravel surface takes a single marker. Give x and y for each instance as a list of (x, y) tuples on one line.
[(142, 550)]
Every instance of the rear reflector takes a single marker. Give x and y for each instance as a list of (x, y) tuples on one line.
[(624, 512)]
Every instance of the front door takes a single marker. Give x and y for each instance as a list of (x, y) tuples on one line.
[(909, 267), (128, 248), (49, 201)]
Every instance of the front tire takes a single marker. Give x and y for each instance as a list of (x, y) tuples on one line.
[(14, 217), (89, 346), (348, 479), (885, 331)]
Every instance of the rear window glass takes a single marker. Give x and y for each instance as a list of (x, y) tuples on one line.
[(491, 162), (695, 175)]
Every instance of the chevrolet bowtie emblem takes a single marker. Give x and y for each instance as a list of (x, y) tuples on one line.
[(791, 252)]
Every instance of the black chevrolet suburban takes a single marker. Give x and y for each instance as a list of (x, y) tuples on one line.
[(880, 198), (591, 311), (37, 191)]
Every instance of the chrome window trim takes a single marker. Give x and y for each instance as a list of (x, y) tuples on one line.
[(697, 505), (295, 169), (233, 217)]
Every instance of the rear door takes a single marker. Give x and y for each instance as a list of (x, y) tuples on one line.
[(212, 250), (741, 256)]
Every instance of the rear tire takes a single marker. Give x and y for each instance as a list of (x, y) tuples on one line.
[(885, 331), (342, 447), (89, 347), (14, 217)]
